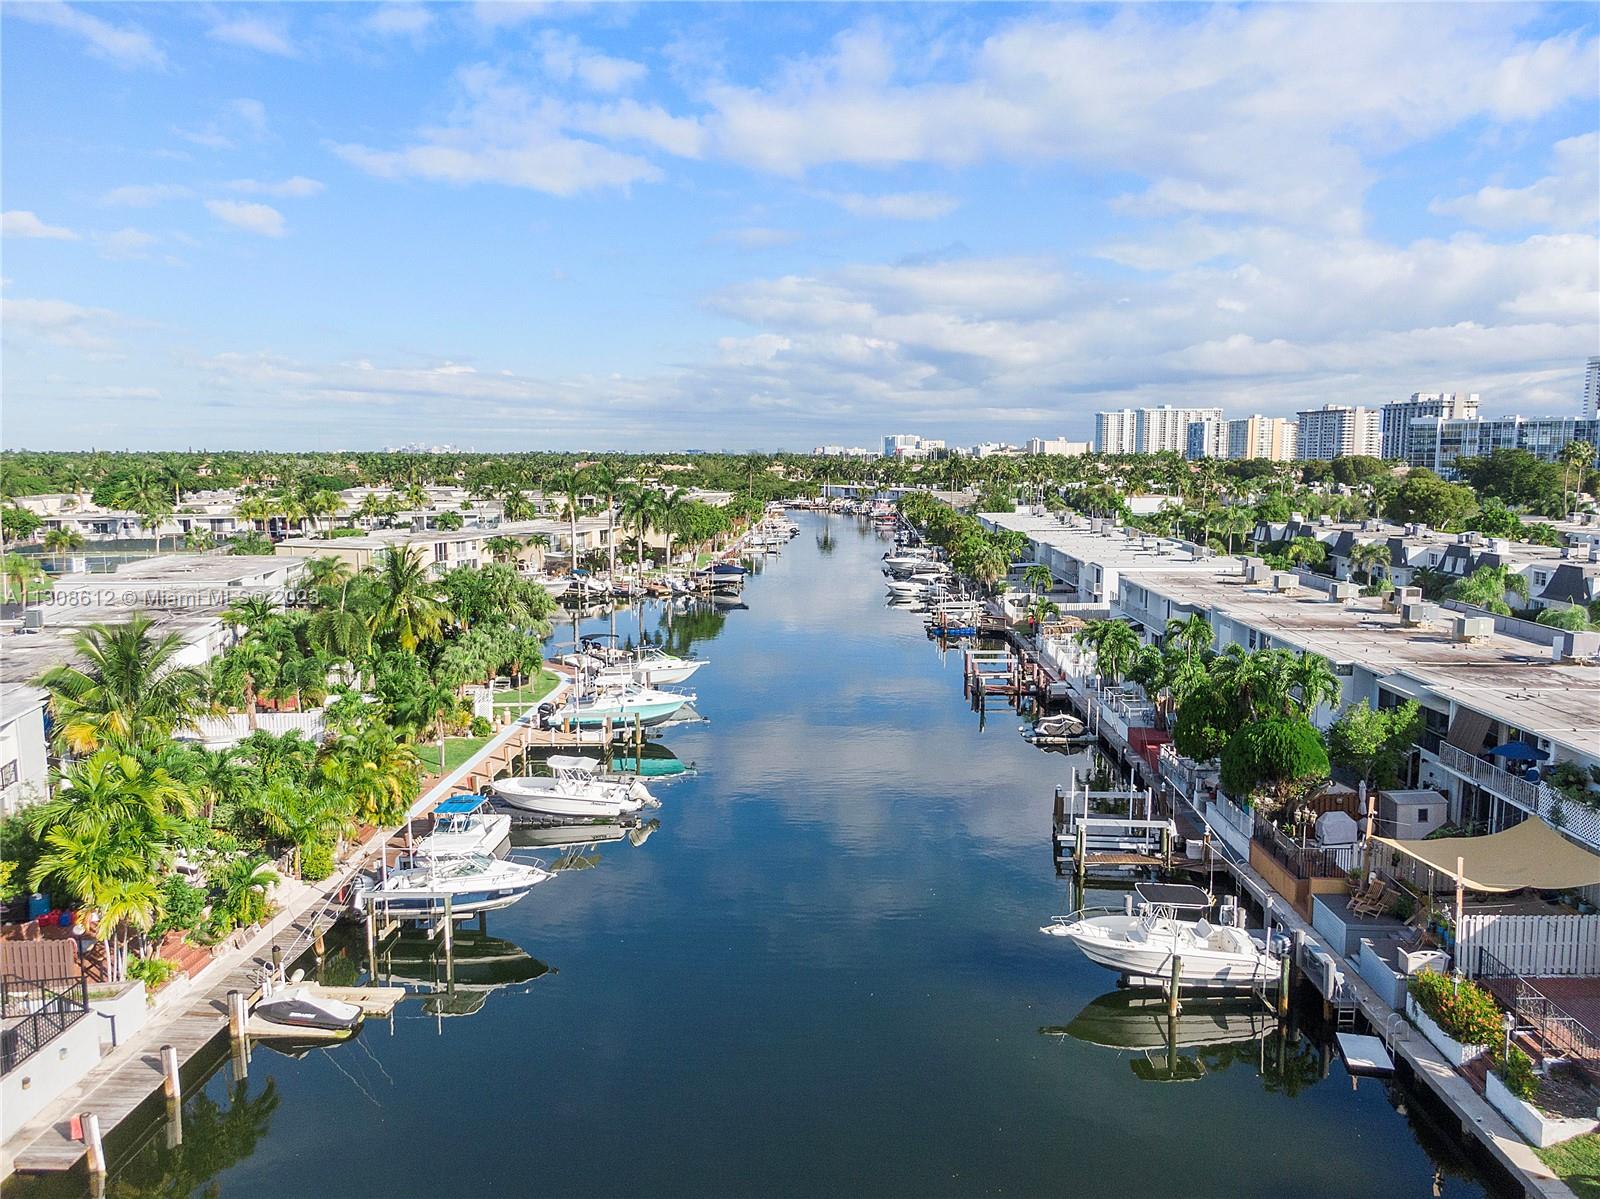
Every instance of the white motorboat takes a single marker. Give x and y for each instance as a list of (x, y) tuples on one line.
[(299, 1007), (622, 705), (474, 882), (464, 824), (1167, 921), (649, 665), (1052, 730), (572, 792), (555, 586)]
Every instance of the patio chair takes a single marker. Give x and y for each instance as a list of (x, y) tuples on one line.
[(1374, 901), (1364, 894)]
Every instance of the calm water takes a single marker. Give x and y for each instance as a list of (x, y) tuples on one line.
[(821, 975)]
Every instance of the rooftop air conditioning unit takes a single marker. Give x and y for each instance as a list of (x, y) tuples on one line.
[(1285, 581), (1417, 615), (33, 620), (1298, 518), (1594, 551), (1473, 628), (1343, 593), (1500, 546), (1324, 520), (1255, 570), (1566, 551), (1397, 599)]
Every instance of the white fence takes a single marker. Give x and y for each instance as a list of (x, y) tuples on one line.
[(235, 727), (1534, 946)]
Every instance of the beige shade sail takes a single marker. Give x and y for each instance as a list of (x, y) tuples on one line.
[(1531, 854)]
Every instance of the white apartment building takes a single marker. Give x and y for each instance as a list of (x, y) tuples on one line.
[(1166, 429), (1272, 437), (1395, 418), (1591, 389), (1058, 445), (909, 445), (1116, 432), (1337, 431), (1206, 439)]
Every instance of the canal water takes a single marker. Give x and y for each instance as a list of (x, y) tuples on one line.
[(820, 975)]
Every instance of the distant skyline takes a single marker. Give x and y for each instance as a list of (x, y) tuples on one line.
[(533, 226)]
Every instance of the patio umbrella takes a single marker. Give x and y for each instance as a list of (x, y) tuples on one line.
[(1518, 751)]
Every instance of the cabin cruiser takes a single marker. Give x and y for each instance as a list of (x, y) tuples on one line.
[(649, 665), (464, 824), (474, 882), (573, 792), (1052, 730), (555, 586), (299, 1006), (1164, 921), (623, 706)]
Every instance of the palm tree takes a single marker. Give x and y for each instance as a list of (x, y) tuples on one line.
[(606, 480), (1488, 586), (1307, 551), (130, 690), (671, 509), (1114, 643), (502, 548), (1369, 558), (407, 605), (1193, 635), (1037, 578), (640, 506), (20, 573), (62, 541), (144, 493), (1577, 455), (569, 484), (1313, 678)]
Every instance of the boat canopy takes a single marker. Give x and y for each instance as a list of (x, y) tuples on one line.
[(1173, 895), (1530, 854), (460, 805), (572, 762)]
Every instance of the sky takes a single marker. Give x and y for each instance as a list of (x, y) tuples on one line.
[(651, 227)]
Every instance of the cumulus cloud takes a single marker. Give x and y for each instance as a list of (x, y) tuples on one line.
[(758, 237), (261, 219), (400, 20), (126, 243), (22, 223), (566, 59), (58, 322), (144, 195), (898, 206), (125, 45), (254, 33), (296, 187), (502, 133), (1566, 199)]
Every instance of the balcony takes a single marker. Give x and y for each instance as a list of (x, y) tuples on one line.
[(1580, 823)]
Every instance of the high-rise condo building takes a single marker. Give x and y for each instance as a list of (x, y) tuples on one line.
[(1116, 432), (1396, 417), (1337, 431), (1148, 430), (1273, 437), (1591, 388)]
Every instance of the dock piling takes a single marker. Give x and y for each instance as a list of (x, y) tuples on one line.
[(95, 1147), (450, 944), (171, 1081), (1172, 987), (237, 1015), (1285, 966)]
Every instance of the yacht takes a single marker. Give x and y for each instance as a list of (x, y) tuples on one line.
[(622, 705), (464, 824), (573, 792), (648, 666), (1163, 921), (474, 882)]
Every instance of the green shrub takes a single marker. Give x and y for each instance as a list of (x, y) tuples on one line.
[(480, 727), (316, 861), (1516, 1071), (1272, 754), (182, 906), (1459, 1006), (152, 972)]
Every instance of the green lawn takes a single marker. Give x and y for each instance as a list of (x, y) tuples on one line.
[(456, 751), (528, 694), (1578, 1163)]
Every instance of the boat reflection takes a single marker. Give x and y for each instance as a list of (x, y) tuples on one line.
[(1218, 1032), (482, 964)]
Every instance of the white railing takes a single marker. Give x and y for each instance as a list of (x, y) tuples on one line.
[(1235, 825), (1536, 946), (1578, 821), (235, 727)]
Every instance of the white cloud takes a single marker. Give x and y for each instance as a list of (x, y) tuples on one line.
[(1568, 199), (59, 322), (21, 223), (500, 133), (252, 113), (1262, 111), (126, 243), (898, 206), (507, 14), (400, 20), (566, 59), (628, 120), (296, 187), (262, 219), (254, 33), (125, 45), (144, 195)]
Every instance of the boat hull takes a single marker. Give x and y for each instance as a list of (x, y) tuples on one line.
[(544, 797), (1104, 940)]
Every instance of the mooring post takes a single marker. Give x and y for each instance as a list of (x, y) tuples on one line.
[(1173, 985), (1285, 966), (236, 1016), (372, 940), (169, 1072), (95, 1146), (1166, 847), (450, 944), (1079, 845)]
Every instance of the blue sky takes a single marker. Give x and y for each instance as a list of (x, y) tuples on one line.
[(662, 226)]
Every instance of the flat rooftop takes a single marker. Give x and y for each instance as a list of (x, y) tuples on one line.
[(1114, 548), (1511, 680)]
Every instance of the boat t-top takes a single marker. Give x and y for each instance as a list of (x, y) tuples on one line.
[(1164, 921), (649, 665), (464, 824), (572, 791)]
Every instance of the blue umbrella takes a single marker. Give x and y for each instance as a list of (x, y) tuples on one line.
[(1518, 751)]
